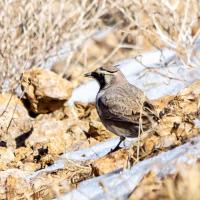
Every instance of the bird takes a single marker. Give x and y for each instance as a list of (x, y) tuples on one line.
[(122, 107)]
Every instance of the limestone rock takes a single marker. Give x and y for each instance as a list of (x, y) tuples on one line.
[(110, 162), (6, 156), (45, 90), (98, 131), (15, 123), (48, 134)]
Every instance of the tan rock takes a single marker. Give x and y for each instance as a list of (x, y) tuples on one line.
[(30, 167), (15, 123), (110, 162), (45, 90), (49, 133), (98, 131), (13, 185), (92, 125), (16, 187), (6, 155), (23, 153)]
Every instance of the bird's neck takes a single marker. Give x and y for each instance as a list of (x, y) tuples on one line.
[(102, 83)]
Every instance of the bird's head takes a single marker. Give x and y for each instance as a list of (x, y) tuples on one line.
[(106, 76)]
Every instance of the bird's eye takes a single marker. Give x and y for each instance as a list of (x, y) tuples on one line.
[(101, 75), (101, 70)]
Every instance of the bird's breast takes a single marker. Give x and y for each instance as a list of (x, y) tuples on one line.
[(100, 108)]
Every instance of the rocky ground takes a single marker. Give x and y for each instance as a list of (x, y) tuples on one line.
[(46, 47), (40, 126)]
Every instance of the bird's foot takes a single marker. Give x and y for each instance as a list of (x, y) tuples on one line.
[(118, 146), (114, 149)]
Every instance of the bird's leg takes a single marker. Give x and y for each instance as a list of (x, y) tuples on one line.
[(131, 160), (118, 147)]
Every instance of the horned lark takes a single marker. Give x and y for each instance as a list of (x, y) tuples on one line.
[(123, 108)]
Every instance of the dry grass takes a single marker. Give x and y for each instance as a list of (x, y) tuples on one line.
[(41, 32)]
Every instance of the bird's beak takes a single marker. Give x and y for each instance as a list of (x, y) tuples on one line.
[(89, 74)]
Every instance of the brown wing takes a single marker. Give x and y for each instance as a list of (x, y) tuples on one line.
[(124, 103)]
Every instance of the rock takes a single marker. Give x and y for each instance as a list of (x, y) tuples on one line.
[(99, 132), (30, 167), (50, 134), (94, 129), (15, 187), (45, 90), (15, 123), (6, 156), (110, 162)]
